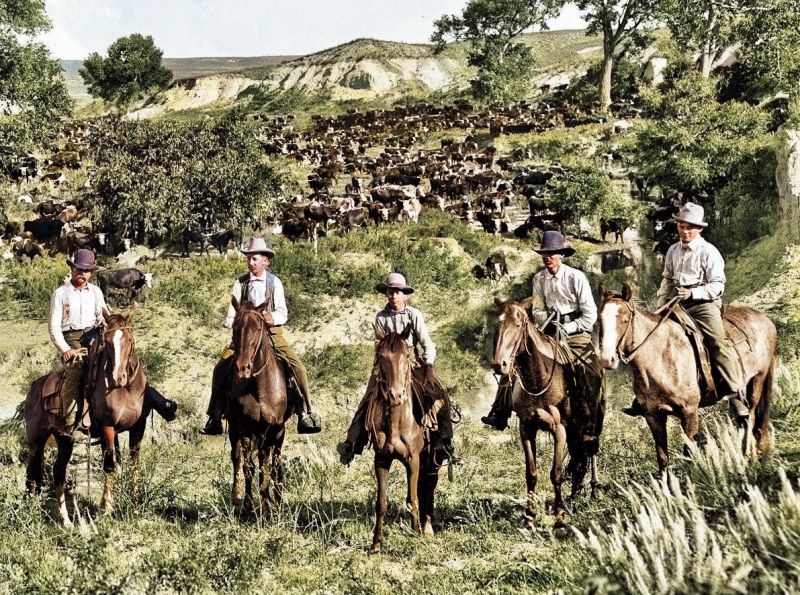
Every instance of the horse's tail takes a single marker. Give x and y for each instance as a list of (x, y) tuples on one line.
[(761, 428), (35, 414)]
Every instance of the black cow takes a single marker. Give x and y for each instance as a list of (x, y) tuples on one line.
[(496, 266), (491, 224), (190, 236), (294, 229), (44, 230), (221, 239), (617, 226), (129, 280)]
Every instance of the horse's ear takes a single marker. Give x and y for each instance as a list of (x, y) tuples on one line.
[(379, 334), (500, 303), (602, 291), (406, 332), (235, 303), (262, 308), (528, 306), (128, 317), (106, 315), (627, 292)]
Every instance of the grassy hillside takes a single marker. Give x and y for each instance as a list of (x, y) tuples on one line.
[(186, 537)]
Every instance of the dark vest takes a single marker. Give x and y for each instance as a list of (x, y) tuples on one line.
[(244, 282)]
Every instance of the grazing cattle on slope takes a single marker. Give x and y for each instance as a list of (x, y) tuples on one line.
[(617, 226), (44, 230), (496, 266), (221, 239), (190, 236)]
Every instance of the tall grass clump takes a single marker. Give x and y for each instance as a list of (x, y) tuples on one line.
[(30, 285), (666, 545)]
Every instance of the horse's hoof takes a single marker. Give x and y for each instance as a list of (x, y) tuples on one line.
[(529, 523), (560, 529), (375, 549), (427, 532)]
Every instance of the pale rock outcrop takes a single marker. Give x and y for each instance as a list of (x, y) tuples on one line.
[(787, 176)]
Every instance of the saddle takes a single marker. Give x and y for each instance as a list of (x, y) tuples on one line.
[(735, 336)]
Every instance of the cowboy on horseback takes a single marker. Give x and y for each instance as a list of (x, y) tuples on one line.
[(260, 286), (77, 311), (569, 315), (694, 273), (395, 317)]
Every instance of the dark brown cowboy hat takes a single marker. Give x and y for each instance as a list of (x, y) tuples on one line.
[(394, 281), (83, 260), (554, 242)]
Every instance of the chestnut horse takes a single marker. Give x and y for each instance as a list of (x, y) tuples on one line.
[(258, 409), (540, 399), (665, 379), (118, 401), (394, 422), (117, 404)]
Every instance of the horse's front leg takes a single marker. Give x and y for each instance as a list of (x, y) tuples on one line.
[(412, 494), (33, 472), (658, 427), (134, 444), (238, 471), (527, 433), (690, 422), (559, 451), (65, 445), (109, 467), (249, 467), (381, 503), (264, 459), (277, 477)]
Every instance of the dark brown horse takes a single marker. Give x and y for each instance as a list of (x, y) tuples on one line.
[(540, 399), (394, 422), (258, 409), (665, 379), (117, 404)]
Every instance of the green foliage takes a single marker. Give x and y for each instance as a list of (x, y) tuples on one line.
[(32, 88), (131, 69), (156, 362), (340, 369), (711, 152), (156, 178), (492, 28), (32, 285), (582, 191)]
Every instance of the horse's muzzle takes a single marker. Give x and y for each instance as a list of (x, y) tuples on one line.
[(501, 367), (609, 362)]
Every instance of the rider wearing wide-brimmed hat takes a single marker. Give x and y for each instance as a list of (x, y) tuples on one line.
[(76, 320), (694, 272), (569, 315), (394, 318), (258, 286)]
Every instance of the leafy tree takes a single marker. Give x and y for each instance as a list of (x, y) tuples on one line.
[(717, 154), (33, 96), (582, 192), (156, 178), (621, 23), (707, 27), (132, 68), (492, 28), (770, 44)]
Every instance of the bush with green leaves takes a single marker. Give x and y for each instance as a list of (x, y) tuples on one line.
[(582, 191), (156, 178)]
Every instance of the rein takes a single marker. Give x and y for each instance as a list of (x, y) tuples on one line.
[(523, 336), (665, 310)]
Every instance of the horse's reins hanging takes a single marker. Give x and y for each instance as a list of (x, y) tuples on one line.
[(666, 309)]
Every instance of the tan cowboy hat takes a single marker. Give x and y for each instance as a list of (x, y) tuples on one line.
[(394, 281), (692, 214), (83, 260), (258, 246)]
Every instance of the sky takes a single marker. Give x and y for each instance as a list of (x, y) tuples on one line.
[(195, 28)]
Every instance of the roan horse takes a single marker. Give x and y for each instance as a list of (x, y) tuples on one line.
[(665, 379), (540, 400), (258, 409), (394, 423), (117, 404)]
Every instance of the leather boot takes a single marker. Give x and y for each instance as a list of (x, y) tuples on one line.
[(738, 405), (497, 419), (166, 408), (213, 427)]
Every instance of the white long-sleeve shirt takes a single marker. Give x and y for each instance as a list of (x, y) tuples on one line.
[(257, 295), (73, 309), (697, 265), (567, 291), (391, 321)]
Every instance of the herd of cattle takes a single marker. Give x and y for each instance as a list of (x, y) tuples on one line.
[(367, 168)]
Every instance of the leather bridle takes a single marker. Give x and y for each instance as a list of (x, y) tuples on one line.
[(259, 345)]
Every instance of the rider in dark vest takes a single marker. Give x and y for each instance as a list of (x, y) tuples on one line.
[(260, 286)]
